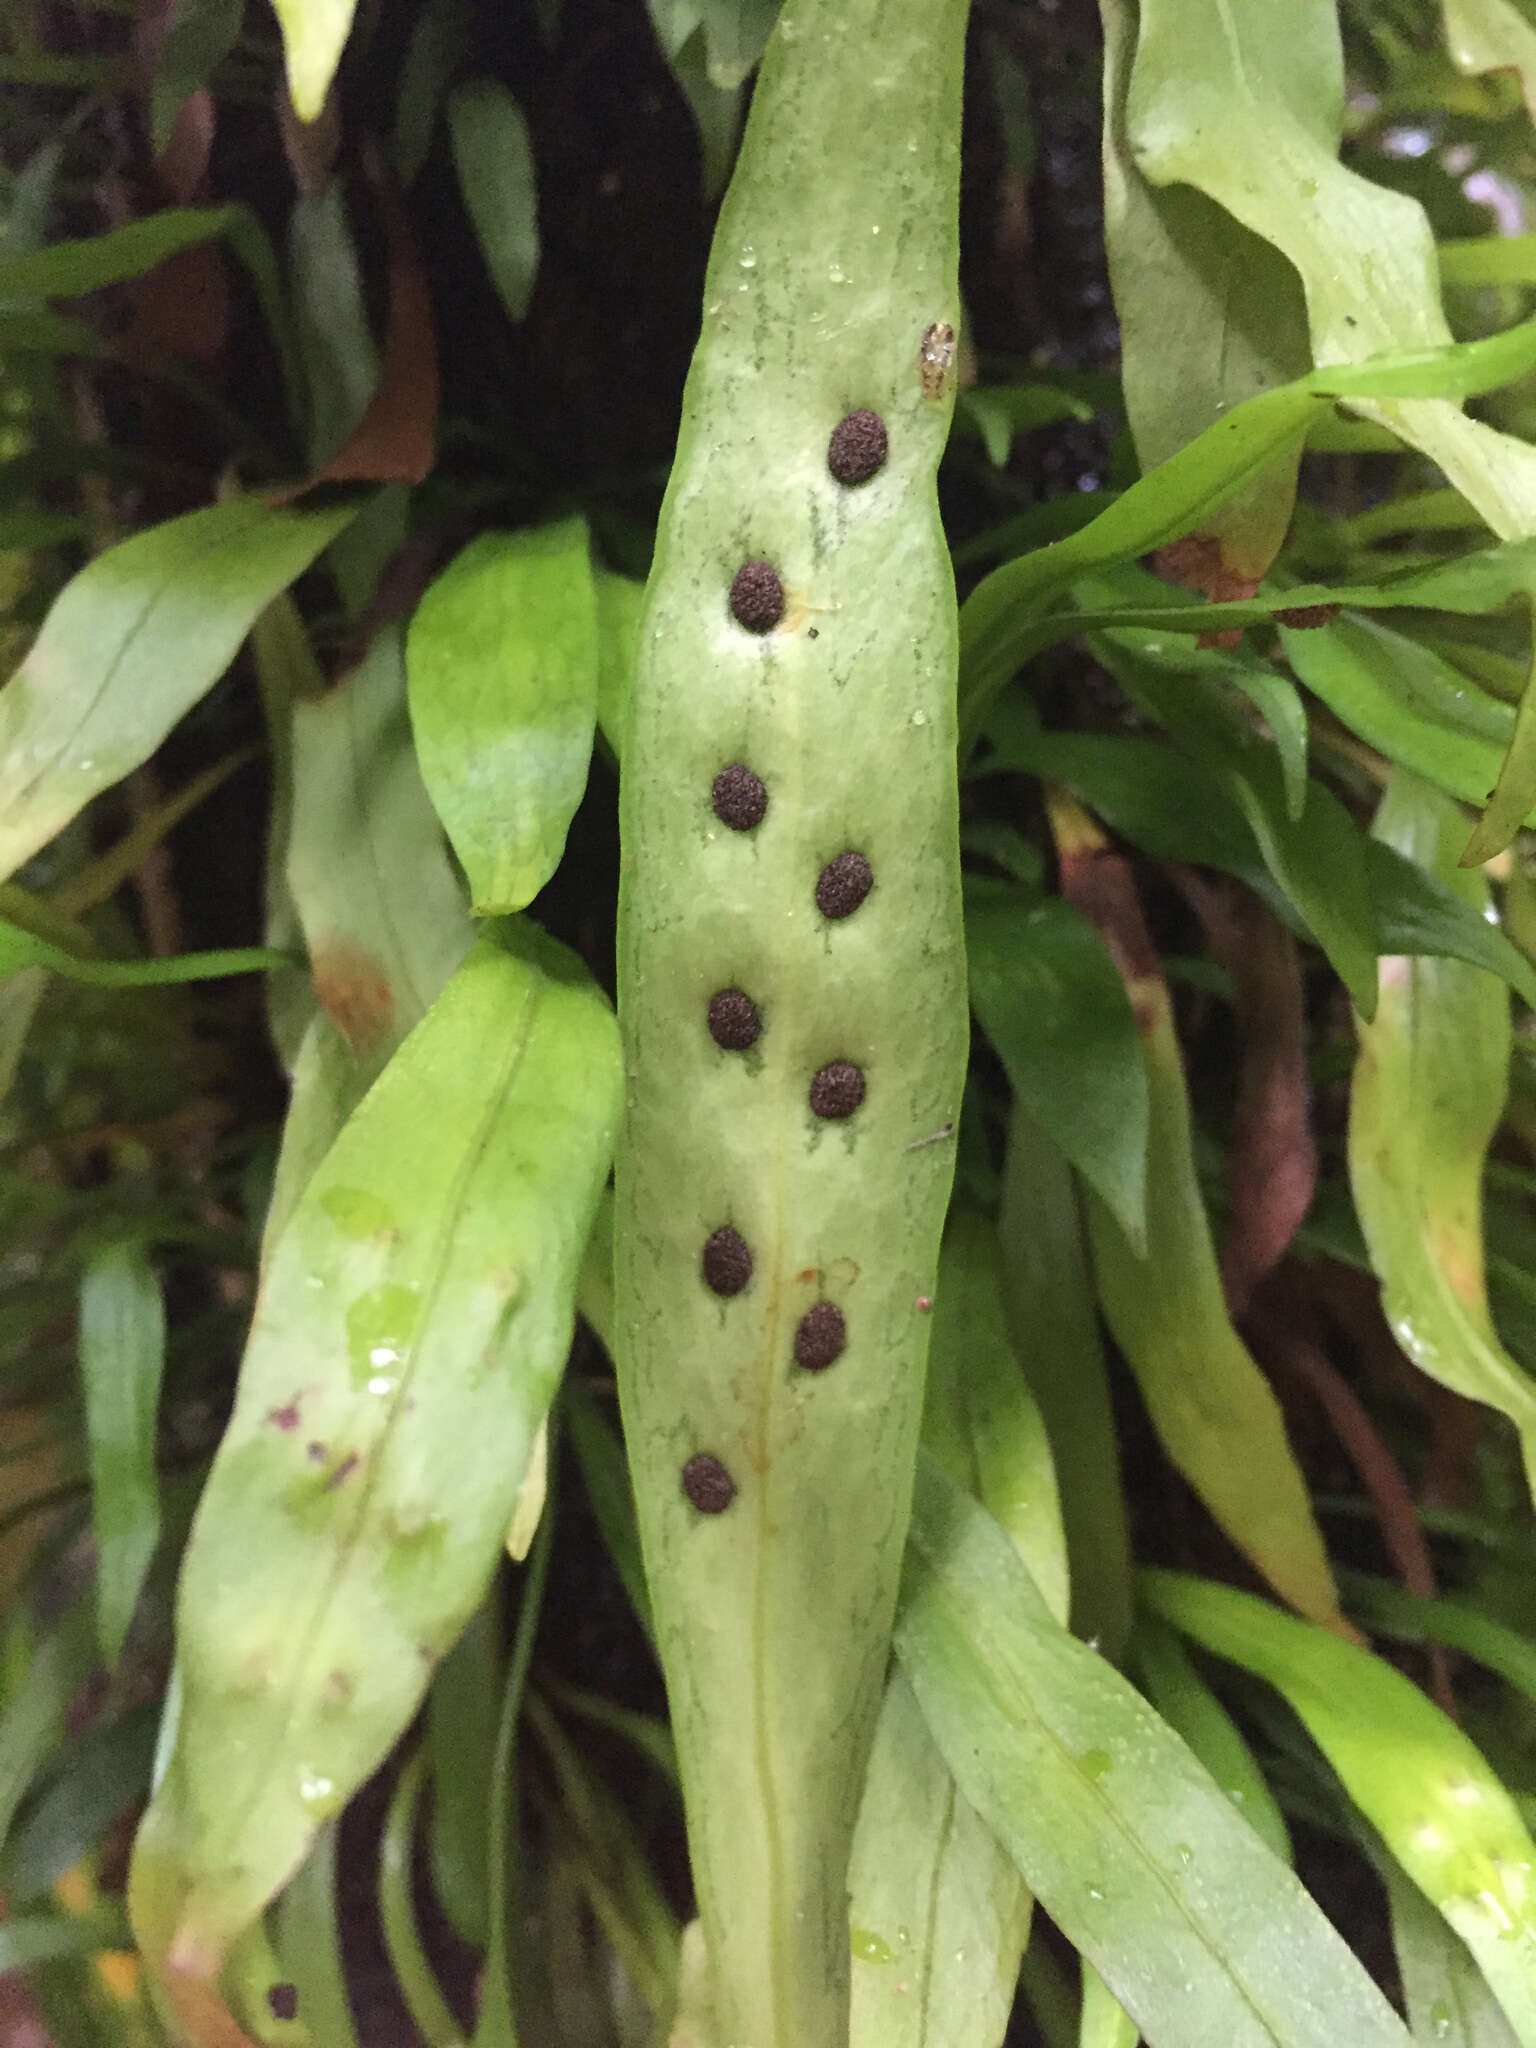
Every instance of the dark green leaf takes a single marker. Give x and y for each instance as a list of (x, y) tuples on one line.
[(498, 179), (1136, 1853), (122, 1355), (1053, 1003)]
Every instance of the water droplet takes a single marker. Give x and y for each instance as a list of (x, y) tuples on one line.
[(1185, 1853), (380, 1319), (1095, 1892), (837, 275), (383, 1354), (1440, 2018), (315, 1790), (381, 1383), (919, 718), (903, 1938), (748, 258), (875, 229), (870, 1948), (1093, 1763)]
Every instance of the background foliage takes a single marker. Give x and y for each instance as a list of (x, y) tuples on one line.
[(340, 362)]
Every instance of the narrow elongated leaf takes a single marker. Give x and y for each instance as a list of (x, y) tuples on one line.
[(938, 1913), (1209, 1402), (101, 1776), (1417, 1779), (1270, 155), (1447, 1996), (374, 893), (429, 1266), (1050, 999), (129, 646), (999, 619), (1048, 1302), (1193, 1711), (502, 662), (20, 949), (497, 176), (1203, 1936), (1209, 314), (314, 36), (1428, 1092), (201, 34), (122, 1355)]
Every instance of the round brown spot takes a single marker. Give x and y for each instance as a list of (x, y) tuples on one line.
[(707, 1484), (733, 1020), (821, 1336), (739, 798), (727, 1261), (858, 447), (838, 1089), (757, 597), (843, 884), (283, 2001)]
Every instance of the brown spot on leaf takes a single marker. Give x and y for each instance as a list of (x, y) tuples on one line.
[(727, 1260), (708, 1484), (354, 992), (821, 1336), (843, 884), (757, 597), (739, 798), (286, 1417), (316, 1453), (858, 447), (283, 2001), (734, 1023), (838, 1089)]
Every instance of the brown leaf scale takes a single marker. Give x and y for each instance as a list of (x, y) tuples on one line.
[(837, 1090), (757, 597), (733, 1020), (739, 798), (843, 884), (727, 1260), (707, 1484), (820, 1336), (858, 447), (283, 2001)]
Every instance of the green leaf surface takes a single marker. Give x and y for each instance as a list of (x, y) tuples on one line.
[(1200, 1933), (1428, 1093), (1492, 35), (21, 949), (373, 890), (938, 1915), (1316, 855), (1193, 1711), (461, 1742), (1447, 1996), (1052, 1317), (1256, 125), (502, 661), (999, 620), (122, 1356), (997, 413), (428, 1269), (1052, 1002), (1210, 1404), (1391, 1610), (1209, 314), (101, 1776), (308, 1934), (314, 36), (200, 36), (498, 178), (414, 1974), (28, 1939), (129, 646), (1176, 809), (1417, 1779), (1103, 2021)]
